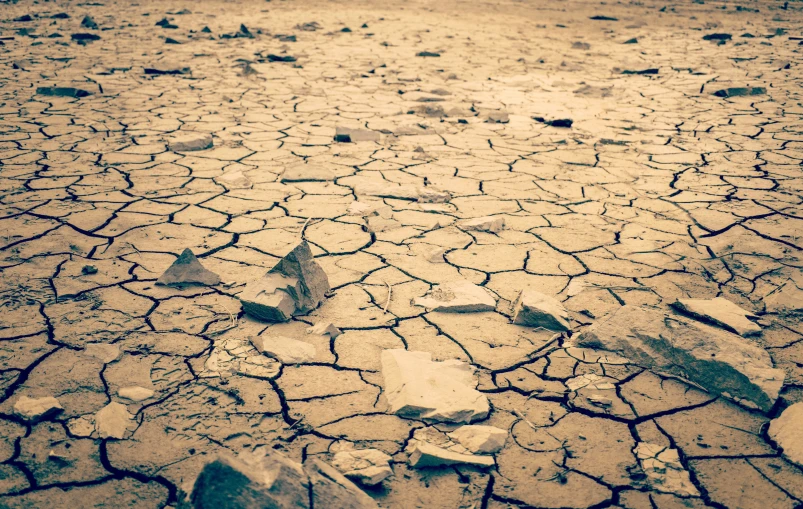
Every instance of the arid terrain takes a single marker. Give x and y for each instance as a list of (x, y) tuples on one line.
[(620, 162)]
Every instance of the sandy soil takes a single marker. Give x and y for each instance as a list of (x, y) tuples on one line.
[(659, 190)]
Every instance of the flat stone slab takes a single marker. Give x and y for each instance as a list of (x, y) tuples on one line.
[(427, 455), (480, 439), (484, 224), (534, 309), (457, 297), (187, 270), (721, 312), (419, 388), (716, 360), (190, 142), (34, 410), (113, 421), (75, 93), (787, 432)]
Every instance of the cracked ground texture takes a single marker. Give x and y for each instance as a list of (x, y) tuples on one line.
[(659, 190)]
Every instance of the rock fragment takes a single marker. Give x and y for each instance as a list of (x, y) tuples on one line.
[(325, 329), (374, 208), (429, 195), (559, 122), (166, 70), (534, 309), (296, 285), (484, 224), (135, 393), (663, 469), (112, 421), (427, 455), (719, 361), (286, 350), (427, 54), (740, 91), (348, 135), (651, 70), (480, 439), (717, 37), (457, 297), (190, 142), (34, 410), (497, 117), (418, 388), (187, 270), (254, 481), (280, 58), (366, 466), (63, 92), (787, 431), (720, 311), (84, 38)]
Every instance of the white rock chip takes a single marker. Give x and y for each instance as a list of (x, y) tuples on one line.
[(719, 361), (427, 455), (370, 208), (457, 297), (234, 180), (112, 421), (189, 142), (664, 470), (534, 309), (377, 224), (480, 439), (419, 388), (81, 426), (34, 410), (787, 432), (484, 224), (325, 329), (135, 393), (720, 312), (106, 353), (436, 255), (367, 466), (430, 195), (287, 350), (238, 356)]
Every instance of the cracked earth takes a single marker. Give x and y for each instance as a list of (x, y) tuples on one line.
[(659, 190)]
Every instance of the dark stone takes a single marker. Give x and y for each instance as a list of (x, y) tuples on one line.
[(286, 38), (88, 22), (206, 30), (603, 18), (170, 40), (427, 54), (85, 37), (345, 30), (740, 91), (62, 92), (26, 17), (642, 71), (279, 58), (631, 41), (187, 270), (560, 122), (88, 270), (157, 71), (61, 15), (717, 37)]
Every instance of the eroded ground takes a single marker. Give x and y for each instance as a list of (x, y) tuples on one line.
[(659, 190)]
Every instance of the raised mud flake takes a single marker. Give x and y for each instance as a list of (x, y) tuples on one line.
[(187, 270), (664, 470), (113, 421), (432, 448), (721, 312), (350, 135), (366, 466), (534, 309), (480, 439), (457, 297), (787, 432), (418, 388), (719, 361), (286, 350), (484, 224), (296, 285), (190, 142)]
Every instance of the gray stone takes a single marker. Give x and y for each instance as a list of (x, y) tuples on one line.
[(331, 489), (296, 285), (534, 309), (480, 439), (34, 410), (325, 329), (187, 270), (76, 93), (418, 388), (457, 297), (719, 361), (347, 134), (787, 432), (720, 312)]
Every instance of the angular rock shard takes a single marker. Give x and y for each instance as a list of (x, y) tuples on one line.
[(325, 329), (112, 421), (720, 312), (254, 481), (418, 388), (427, 455), (34, 410), (740, 91), (296, 285), (63, 92), (348, 135), (484, 224), (366, 466), (286, 350), (190, 142), (719, 361), (457, 297), (480, 439), (787, 432), (187, 270), (534, 309)]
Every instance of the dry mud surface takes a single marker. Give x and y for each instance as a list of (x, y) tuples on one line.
[(659, 190)]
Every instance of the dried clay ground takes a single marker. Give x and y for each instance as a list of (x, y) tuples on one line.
[(659, 190)]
